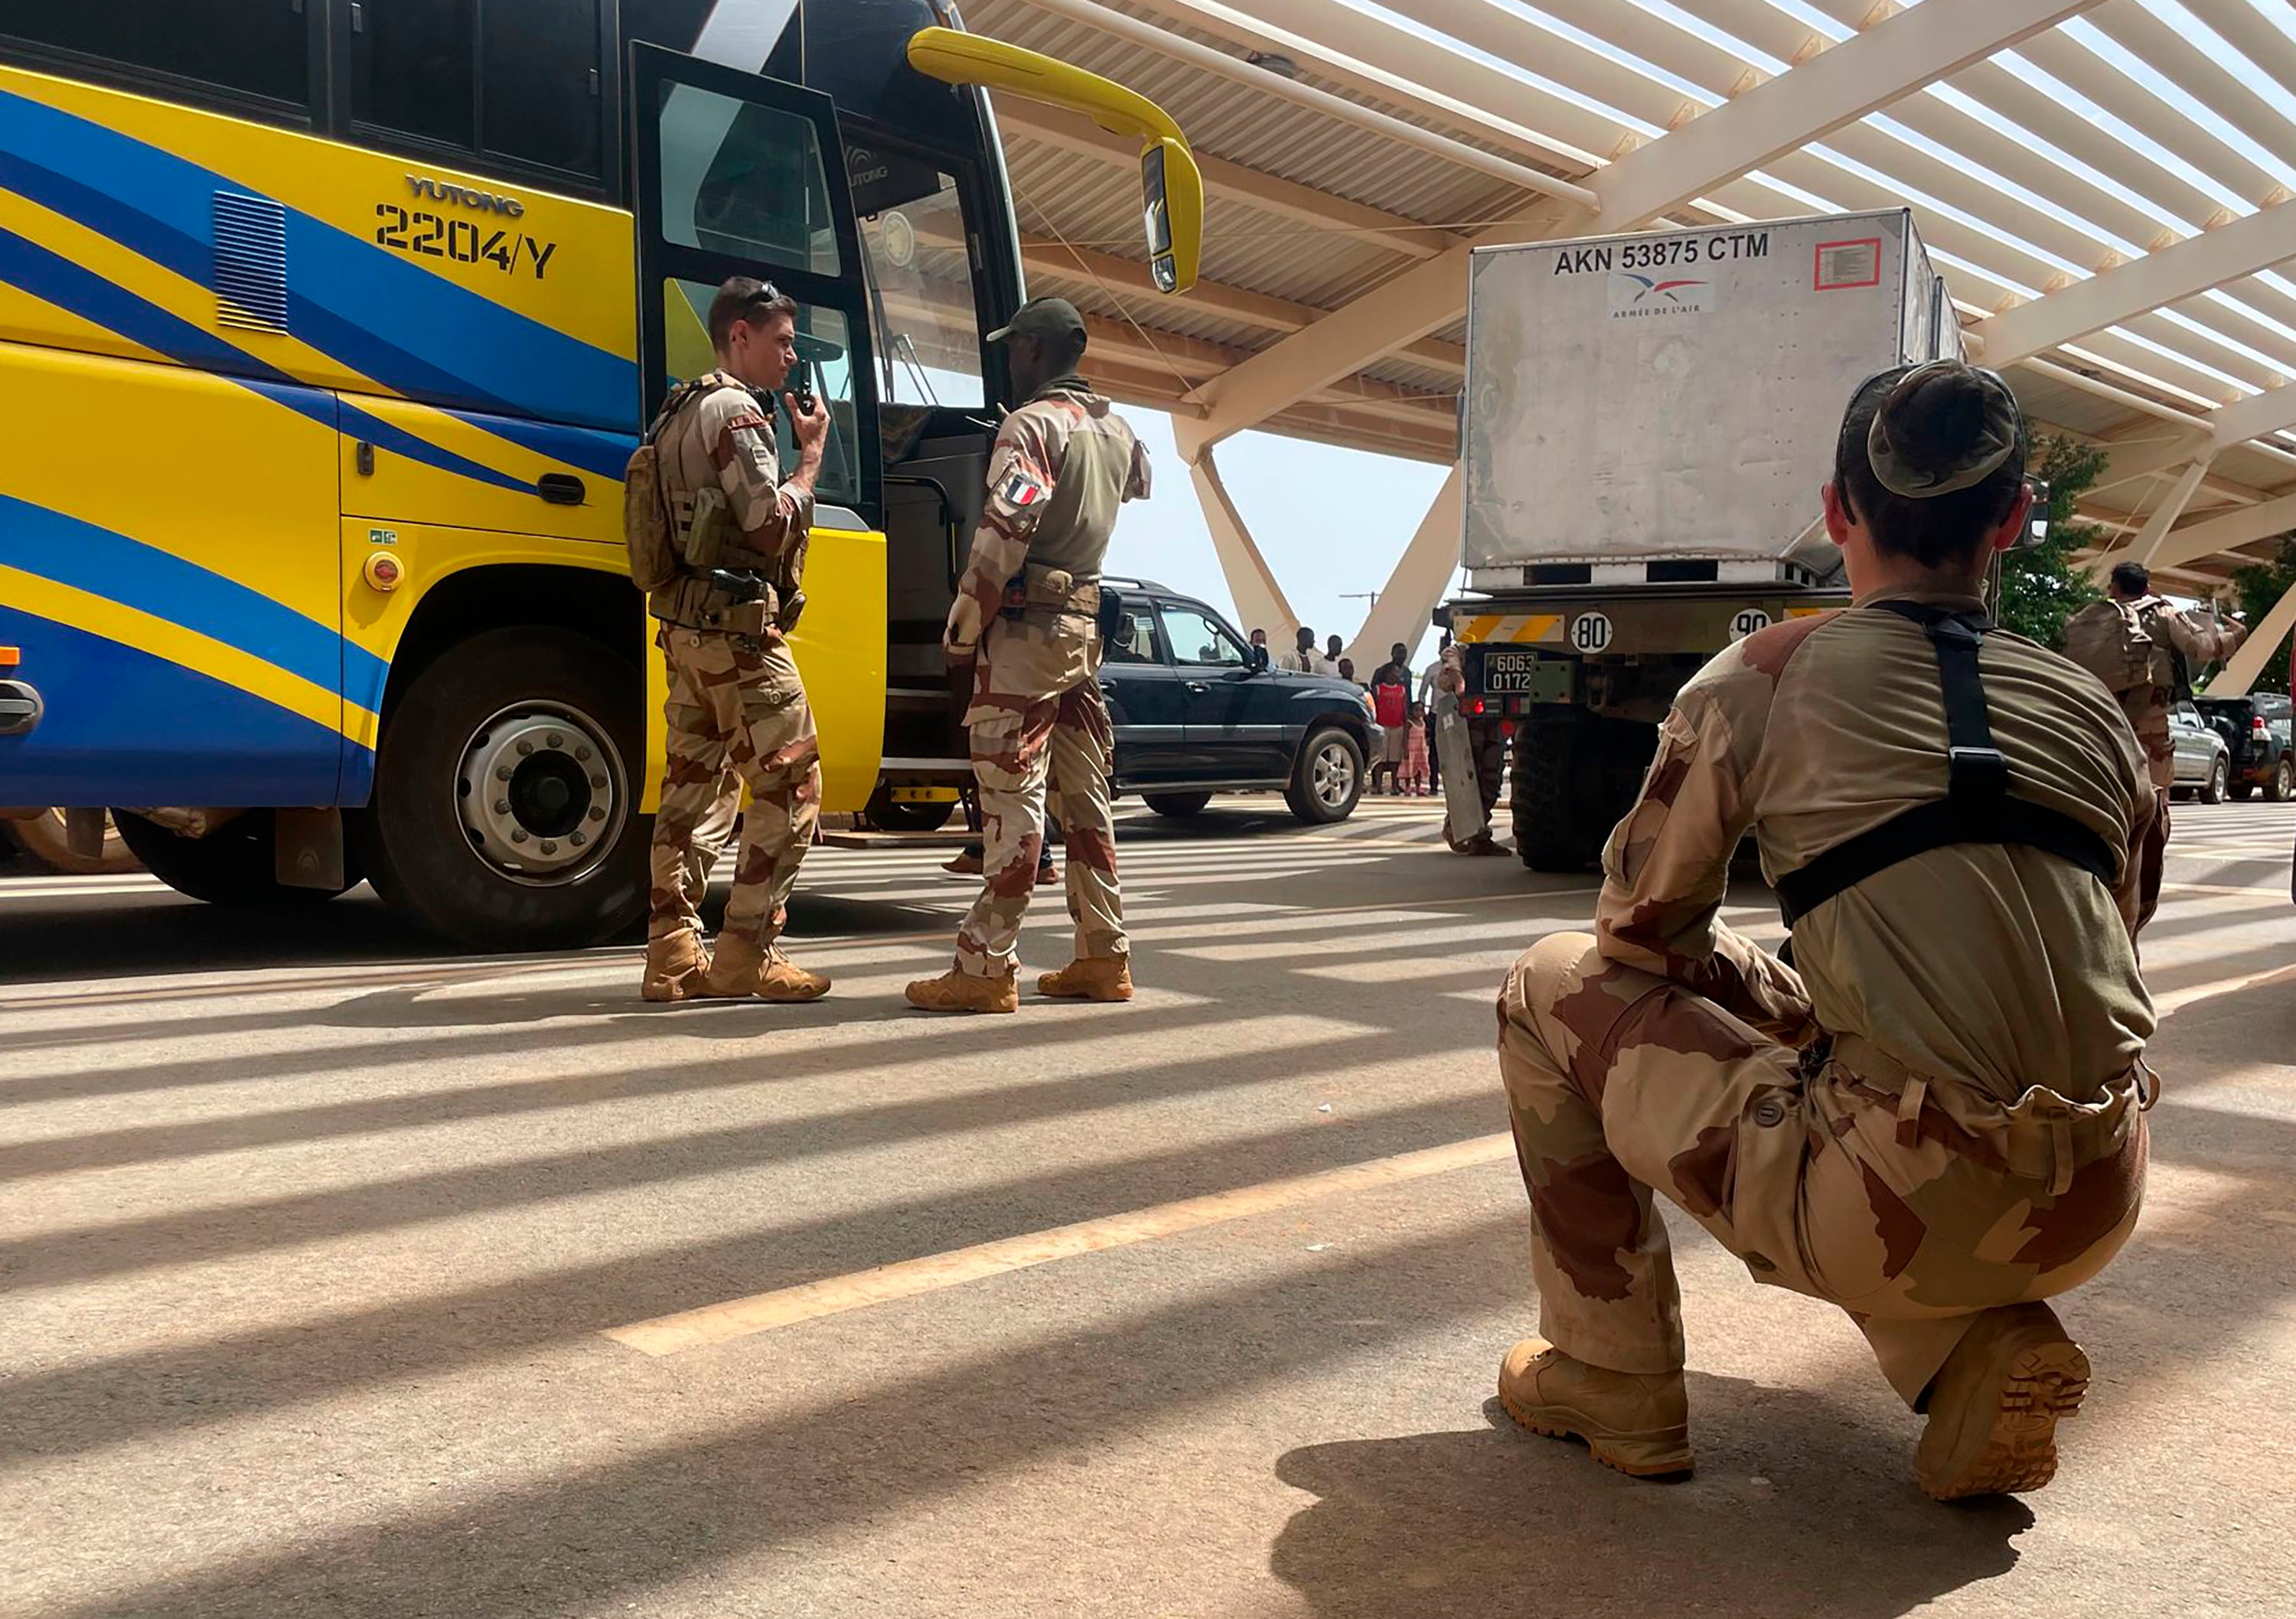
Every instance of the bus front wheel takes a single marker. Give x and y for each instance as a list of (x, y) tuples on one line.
[(505, 807)]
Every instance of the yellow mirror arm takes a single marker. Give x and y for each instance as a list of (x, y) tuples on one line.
[(956, 57)]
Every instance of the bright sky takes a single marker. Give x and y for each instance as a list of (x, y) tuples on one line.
[(1329, 521)]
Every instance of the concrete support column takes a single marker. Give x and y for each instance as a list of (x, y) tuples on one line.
[(1260, 603), (2242, 668), (1420, 578)]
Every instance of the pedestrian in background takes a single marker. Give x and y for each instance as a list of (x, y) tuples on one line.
[(1347, 671), (1332, 647), (1414, 775), (1301, 658), (1391, 701), (1427, 704), (1260, 657)]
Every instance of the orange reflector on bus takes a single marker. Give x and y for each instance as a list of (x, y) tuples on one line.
[(10, 657)]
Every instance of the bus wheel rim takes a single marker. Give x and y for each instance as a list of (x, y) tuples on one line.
[(541, 792)]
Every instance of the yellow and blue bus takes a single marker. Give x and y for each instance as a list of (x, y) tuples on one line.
[(326, 328)]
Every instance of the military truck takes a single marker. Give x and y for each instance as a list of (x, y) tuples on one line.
[(1646, 424)]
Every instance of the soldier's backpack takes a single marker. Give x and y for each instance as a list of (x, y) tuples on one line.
[(2111, 641), (646, 529)]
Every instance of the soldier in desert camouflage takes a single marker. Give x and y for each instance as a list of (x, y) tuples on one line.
[(734, 692), (1026, 616), (1937, 1121), (2184, 644)]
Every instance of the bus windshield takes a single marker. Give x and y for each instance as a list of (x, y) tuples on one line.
[(914, 236)]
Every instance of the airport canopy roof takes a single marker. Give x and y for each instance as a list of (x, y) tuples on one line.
[(2104, 185)]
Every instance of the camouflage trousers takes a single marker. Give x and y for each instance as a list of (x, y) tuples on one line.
[(2148, 715), (737, 699), (1911, 1205), (1037, 711), (2151, 858)]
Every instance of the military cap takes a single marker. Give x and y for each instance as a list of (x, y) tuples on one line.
[(1052, 318)]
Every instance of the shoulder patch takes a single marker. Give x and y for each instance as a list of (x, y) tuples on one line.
[(1020, 488)]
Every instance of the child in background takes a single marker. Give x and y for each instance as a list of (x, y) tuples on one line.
[(1412, 780)]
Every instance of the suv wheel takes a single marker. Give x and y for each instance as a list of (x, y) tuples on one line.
[(1327, 780), (2214, 792), (2283, 785)]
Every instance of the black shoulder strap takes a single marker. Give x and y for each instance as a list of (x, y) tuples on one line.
[(1978, 806)]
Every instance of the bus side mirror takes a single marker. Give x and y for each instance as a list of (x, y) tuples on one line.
[(1172, 204), (2037, 521)]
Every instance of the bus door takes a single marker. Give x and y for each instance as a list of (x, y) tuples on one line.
[(921, 219), (737, 175)]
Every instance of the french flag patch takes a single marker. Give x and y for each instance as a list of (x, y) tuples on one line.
[(1018, 489)]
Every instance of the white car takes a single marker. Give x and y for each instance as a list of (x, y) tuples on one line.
[(2203, 762)]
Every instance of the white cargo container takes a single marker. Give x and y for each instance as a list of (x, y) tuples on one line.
[(1672, 397)]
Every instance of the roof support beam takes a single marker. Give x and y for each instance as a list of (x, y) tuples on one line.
[(1073, 132), (1251, 585), (1423, 573), (2147, 543), (1042, 256), (1871, 69), (2223, 532), (2242, 668), (2170, 276), (2219, 430), (1205, 59)]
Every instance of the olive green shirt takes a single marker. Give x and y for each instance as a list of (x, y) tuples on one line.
[(1994, 963)]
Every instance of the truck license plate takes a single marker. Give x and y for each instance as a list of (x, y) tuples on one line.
[(1511, 672)]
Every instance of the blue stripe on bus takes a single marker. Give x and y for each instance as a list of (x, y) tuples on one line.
[(603, 454), (126, 726), (85, 556), (51, 276), (415, 332)]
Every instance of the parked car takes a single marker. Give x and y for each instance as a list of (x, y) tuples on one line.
[(1195, 713), (2203, 762), (2257, 729)]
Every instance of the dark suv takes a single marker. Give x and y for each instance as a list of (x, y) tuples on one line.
[(1195, 714), (2256, 729)]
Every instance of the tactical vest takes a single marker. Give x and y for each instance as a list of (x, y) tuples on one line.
[(707, 540)]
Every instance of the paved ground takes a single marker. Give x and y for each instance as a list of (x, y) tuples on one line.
[(313, 1242)]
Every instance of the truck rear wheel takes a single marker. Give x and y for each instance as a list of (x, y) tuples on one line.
[(232, 866), (1573, 778), (505, 807)]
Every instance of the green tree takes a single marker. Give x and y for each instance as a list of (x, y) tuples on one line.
[(2260, 588), (2041, 587)]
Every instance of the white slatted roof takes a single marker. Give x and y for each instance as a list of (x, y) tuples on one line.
[(2101, 183)]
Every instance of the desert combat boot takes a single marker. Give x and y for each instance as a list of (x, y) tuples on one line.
[(1993, 1410), (958, 991), (1090, 979), (675, 966), (1639, 1425), (743, 967)]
